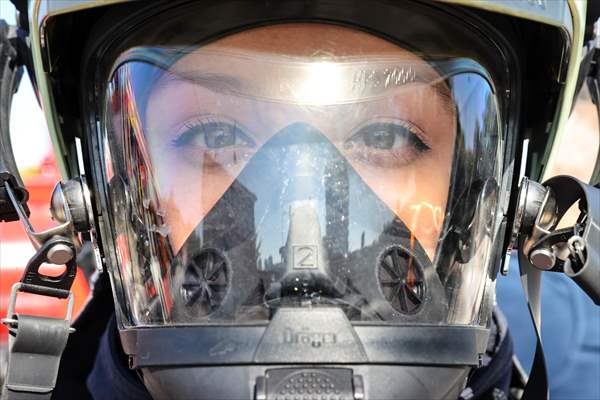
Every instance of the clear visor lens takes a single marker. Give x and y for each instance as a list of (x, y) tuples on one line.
[(242, 181)]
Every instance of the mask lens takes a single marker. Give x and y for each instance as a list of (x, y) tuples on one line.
[(256, 179)]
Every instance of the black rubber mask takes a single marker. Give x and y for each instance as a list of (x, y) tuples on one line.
[(278, 260)]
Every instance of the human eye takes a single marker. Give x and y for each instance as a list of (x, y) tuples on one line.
[(212, 141), (387, 143), (212, 133)]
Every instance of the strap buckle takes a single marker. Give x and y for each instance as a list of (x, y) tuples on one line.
[(35, 346), (12, 323), (576, 246)]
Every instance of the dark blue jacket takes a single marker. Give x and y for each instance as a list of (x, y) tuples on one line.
[(570, 333)]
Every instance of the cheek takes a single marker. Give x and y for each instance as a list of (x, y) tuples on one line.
[(424, 208), (418, 192), (192, 193), (187, 189), (417, 195)]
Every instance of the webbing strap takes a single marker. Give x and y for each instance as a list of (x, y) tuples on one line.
[(35, 348), (531, 279)]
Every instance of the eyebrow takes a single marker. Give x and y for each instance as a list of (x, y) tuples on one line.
[(445, 93), (229, 84), (216, 82)]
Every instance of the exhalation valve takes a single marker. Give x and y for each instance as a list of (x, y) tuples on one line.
[(400, 279), (206, 282)]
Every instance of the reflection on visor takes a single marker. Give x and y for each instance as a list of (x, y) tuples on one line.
[(290, 80), (253, 182), (292, 231)]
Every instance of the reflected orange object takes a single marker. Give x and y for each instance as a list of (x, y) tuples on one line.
[(15, 251)]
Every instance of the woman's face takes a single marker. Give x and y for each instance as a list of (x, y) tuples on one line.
[(385, 109)]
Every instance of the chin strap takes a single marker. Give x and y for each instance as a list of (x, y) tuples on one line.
[(531, 279)]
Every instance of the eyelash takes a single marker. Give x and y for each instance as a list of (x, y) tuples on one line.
[(371, 144), (204, 126), (386, 154), (198, 141)]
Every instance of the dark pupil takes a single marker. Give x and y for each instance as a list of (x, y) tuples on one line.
[(380, 139), (220, 136)]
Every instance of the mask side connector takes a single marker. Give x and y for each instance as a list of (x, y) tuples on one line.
[(574, 250)]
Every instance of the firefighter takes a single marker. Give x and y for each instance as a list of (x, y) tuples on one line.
[(296, 199)]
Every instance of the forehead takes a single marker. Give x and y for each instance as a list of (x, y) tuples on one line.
[(315, 40), (292, 62)]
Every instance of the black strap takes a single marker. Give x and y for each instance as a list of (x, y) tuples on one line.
[(589, 71), (34, 354), (10, 74), (531, 278), (35, 347)]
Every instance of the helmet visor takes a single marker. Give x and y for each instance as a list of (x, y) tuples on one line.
[(248, 174)]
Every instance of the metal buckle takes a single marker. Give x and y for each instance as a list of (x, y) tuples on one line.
[(12, 323), (576, 245), (38, 239)]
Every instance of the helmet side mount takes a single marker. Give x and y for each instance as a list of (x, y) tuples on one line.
[(573, 250)]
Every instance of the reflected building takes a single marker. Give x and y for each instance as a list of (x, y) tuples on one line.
[(337, 209)]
